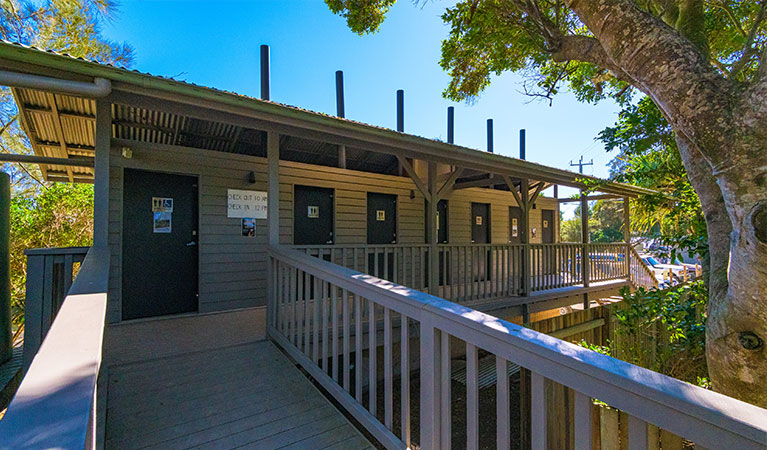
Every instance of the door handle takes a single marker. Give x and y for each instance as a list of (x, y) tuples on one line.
[(191, 244)]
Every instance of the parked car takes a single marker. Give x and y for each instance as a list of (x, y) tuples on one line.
[(667, 274)]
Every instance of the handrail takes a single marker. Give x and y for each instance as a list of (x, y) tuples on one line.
[(704, 417), (54, 406), (638, 265)]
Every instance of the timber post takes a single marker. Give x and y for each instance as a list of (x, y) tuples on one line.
[(585, 259), (627, 233), (431, 218), (525, 237), (6, 336), (103, 139)]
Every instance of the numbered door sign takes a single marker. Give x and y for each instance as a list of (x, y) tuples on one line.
[(381, 215), (313, 212)]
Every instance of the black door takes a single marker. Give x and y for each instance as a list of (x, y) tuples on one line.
[(516, 225), (547, 237), (312, 215), (547, 226), (382, 229), (442, 238), (480, 223), (480, 234), (159, 273)]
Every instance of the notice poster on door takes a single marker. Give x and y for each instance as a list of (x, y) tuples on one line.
[(246, 204), (249, 227), (514, 228), (162, 204), (162, 222)]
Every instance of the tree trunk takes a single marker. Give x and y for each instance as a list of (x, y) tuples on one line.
[(721, 122)]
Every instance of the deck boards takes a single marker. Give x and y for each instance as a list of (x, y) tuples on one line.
[(241, 396)]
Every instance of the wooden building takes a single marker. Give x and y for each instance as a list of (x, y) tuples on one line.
[(222, 220)]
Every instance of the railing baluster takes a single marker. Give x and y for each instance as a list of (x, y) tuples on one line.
[(307, 312), (637, 433), (358, 349), (430, 386), (405, 380), (334, 320), (292, 323), (300, 311), (372, 391), (583, 429), (538, 412), (445, 391), (472, 398), (316, 321), (325, 298), (345, 309), (502, 403), (388, 378)]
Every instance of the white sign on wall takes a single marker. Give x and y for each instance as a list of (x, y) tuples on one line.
[(246, 204)]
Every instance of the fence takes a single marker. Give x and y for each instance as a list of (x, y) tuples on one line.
[(336, 335)]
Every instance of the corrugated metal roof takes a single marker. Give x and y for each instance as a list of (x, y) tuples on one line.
[(166, 127)]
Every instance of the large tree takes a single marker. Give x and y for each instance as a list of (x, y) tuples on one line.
[(702, 65)]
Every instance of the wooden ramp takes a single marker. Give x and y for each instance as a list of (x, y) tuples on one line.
[(247, 395)]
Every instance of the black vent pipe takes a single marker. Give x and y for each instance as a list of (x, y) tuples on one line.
[(490, 135), (265, 84), (340, 112)]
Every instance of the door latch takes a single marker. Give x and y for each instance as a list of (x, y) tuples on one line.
[(191, 244)]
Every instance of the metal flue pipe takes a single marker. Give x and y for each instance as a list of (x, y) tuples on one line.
[(99, 88), (340, 112), (450, 124), (522, 143), (400, 110), (490, 135), (265, 82)]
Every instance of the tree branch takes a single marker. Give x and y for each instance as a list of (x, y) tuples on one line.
[(668, 67), (748, 49)]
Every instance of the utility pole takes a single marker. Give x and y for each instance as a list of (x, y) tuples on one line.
[(580, 164)]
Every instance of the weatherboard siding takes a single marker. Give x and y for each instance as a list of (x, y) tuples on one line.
[(232, 268)]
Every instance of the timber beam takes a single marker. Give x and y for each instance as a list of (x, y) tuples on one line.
[(449, 185), (591, 198), (30, 159), (491, 181), (405, 164)]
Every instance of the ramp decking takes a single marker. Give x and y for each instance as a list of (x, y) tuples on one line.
[(247, 395)]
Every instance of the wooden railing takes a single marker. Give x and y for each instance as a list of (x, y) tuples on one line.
[(50, 272), (607, 262), (337, 333), (555, 266), (641, 274), (55, 404), (468, 272)]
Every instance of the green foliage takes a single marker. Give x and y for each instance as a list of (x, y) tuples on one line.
[(605, 223), (648, 157), (664, 330), (59, 216), (362, 16)]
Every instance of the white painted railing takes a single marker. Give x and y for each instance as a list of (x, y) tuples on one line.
[(339, 329), (55, 404)]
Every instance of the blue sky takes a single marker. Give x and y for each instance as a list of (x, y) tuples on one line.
[(216, 44)]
